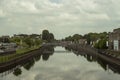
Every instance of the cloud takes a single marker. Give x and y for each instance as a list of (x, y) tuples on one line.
[(62, 17), (2, 14)]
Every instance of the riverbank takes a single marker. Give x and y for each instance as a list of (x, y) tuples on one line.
[(17, 54), (20, 60), (86, 49), (113, 53), (27, 56)]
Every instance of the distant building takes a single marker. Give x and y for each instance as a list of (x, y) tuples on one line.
[(7, 48), (8, 45), (21, 35), (82, 41), (5, 36), (5, 39), (114, 40)]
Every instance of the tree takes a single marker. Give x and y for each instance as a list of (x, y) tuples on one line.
[(95, 36), (37, 42), (29, 41), (69, 38), (101, 44), (16, 40), (45, 35), (76, 37), (51, 37)]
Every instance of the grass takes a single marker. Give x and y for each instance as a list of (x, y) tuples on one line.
[(25, 50), (18, 53), (7, 58)]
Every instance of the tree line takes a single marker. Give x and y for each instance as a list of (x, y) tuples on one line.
[(30, 40), (98, 40)]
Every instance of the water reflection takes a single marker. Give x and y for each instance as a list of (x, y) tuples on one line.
[(105, 65), (62, 66), (29, 64), (47, 51), (17, 72)]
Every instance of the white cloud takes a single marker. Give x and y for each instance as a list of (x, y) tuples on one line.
[(29, 6), (2, 14), (59, 16), (98, 17)]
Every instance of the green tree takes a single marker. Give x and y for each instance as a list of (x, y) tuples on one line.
[(51, 37), (16, 40), (69, 38), (76, 37), (101, 44), (95, 36), (45, 35), (29, 41), (38, 42)]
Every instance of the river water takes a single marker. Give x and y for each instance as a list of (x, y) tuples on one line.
[(62, 65)]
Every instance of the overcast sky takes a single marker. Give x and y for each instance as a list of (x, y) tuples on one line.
[(61, 17)]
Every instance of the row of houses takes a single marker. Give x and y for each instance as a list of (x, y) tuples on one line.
[(7, 47), (114, 40), (5, 42), (5, 39)]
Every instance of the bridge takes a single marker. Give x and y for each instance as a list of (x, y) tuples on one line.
[(64, 44)]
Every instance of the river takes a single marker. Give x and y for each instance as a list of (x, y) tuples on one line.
[(62, 65)]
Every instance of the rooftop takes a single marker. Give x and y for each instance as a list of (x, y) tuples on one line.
[(116, 30)]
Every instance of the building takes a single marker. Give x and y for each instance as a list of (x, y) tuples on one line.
[(7, 48), (82, 41), (114, 40), (8, 45), (5, 39)]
